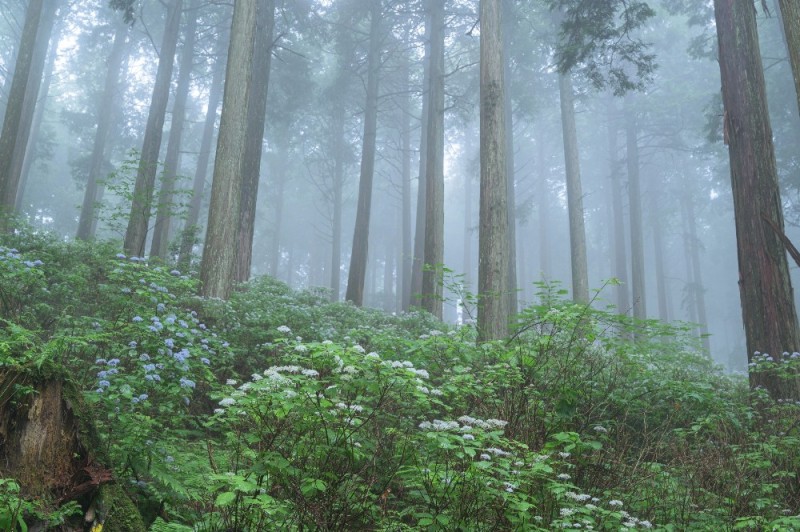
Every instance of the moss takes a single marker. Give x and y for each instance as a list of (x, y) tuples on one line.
[(122, 514)]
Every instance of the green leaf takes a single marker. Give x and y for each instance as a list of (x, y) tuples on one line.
[(225, 498)]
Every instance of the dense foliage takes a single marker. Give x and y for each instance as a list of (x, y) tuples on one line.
[(278, 410)]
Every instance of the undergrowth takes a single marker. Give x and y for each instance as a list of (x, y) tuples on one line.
[(278, 410)]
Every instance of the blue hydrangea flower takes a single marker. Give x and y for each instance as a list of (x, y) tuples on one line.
[(137, 319), (113, 362), (187, 383)]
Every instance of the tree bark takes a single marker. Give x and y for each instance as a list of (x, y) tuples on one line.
[(493, 233), (256, 117), (577, 230), (765, 287), (104, 116), (12, 121), (513, 304), (635, 202), (219, 253), (434, 170), (199, 185), (161, 229), (358, 257), (136, 233)]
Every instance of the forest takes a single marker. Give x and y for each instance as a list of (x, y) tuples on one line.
[(385, 265)]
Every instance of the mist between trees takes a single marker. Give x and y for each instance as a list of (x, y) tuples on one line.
[(445, 155)]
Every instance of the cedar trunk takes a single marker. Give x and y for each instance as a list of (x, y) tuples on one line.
[(256, 120), (577, 230), (635, 200), (434, 170), (161, 229), (12, 121), (493, 233), (136, 233), (219, 253), (770, 319), (358, 257), (203, 157)]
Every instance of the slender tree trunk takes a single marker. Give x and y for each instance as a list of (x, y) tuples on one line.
[(493, 235), (699, 297), (358, 257), (617, 206), (136, 233), (338, 186), (104, 117), (468, 281), (770, 318), (12, 121), (577, 231), (405, 141), (256, 116), (635, 201), (190, 230), (434, 170), (419, 227), (161, 229), (690, 299), (544, 211), (388, 277), (36, 103), (658, 254), (790, 16), (279, 183), (218, 267)]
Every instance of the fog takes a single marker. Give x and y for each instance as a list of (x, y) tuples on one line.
[(312, 150)]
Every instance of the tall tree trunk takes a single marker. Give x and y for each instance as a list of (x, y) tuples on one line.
[(161, 229), (434, 170), (358, 257), (765, 287), (493, 234), (617, 206), (658, 255), (790, 16), (279, 184), (190, 229), (256, 116), (468, 280), (388, 277), (407, 259), (136, 233), (104, 121), (513, 304), (577, 231), (12, 121), (419, 227), (635, 202), (36, 103), (219, 253), (690, 299), (699, 297), (338, 186), (544, 210)]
